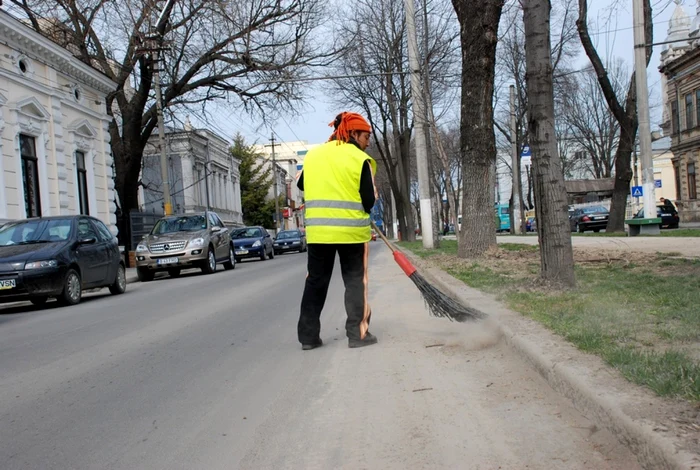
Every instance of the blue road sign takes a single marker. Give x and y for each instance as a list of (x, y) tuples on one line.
[(526, 151), (657, 183), (637, 191)]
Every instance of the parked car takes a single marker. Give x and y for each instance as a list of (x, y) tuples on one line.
[(589, 218), (58, 257), (289, 240), (252, 242), (668, 215), (178, 242)]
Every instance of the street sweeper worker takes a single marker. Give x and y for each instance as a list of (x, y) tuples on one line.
[(338, 183)]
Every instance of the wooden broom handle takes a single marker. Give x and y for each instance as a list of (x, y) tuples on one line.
[(381, 235)]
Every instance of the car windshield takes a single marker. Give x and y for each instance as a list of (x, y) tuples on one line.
[(247, 233), (290, 234), (35, 231), (594, 209), (191, 223)]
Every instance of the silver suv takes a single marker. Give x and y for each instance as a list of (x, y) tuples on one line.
[(177, 242)]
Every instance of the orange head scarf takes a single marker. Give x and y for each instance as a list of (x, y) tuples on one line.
[(346, 122)]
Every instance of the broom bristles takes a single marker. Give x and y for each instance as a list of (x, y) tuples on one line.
[(442, 305)]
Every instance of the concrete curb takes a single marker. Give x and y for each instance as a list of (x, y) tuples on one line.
[(570, 378)]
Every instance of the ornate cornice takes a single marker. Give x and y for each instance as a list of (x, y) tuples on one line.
[(37, 47)]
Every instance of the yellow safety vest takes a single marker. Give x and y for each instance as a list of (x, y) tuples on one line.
[(333, 211)]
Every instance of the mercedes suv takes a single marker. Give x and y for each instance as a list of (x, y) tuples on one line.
[(186, 241)]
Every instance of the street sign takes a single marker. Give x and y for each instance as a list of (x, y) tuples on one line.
[(637, 191), (657, 183), (526, 151)]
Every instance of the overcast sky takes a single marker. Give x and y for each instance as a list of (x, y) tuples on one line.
[(612, 30)]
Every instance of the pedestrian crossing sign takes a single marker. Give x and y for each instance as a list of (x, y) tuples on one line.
[(637, 191)]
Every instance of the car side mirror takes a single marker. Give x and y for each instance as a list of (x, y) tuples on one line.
[(216, 228), (87, 241), (267, 235)]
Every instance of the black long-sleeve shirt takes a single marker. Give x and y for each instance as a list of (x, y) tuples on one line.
[(366, 186)]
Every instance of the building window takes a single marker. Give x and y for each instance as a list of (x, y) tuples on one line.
[(689, 111), (30, 175), (82, 182), (692, 188), (697, 108), (675, 118), (677, 174)]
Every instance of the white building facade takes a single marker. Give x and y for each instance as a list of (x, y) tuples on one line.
[(201, 171), (55, 156)]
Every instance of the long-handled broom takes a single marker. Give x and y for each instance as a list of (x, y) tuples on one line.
[(439, 304)]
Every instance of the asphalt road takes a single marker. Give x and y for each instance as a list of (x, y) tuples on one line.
[(204, 372)]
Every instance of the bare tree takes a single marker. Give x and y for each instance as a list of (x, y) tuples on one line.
[(626, 115), (511, 70), (590, 123), (479, 20), (556, 254), (213, 49), (376, 59)]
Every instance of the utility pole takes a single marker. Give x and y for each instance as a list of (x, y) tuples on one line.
[(274, 176), (419, 120), (516, 228), (158, 36), (640, 69)]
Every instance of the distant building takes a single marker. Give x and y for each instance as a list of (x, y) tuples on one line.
[(289, 158), (191, 152), (681, 111), (55, 156)]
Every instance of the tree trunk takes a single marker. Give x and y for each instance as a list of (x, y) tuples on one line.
[(623, 161), (556, 254), (623, 177), (479, 20)]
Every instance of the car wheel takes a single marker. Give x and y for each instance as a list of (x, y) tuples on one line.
[(579, 229), (231, 263), (210, 264), (263, 256), (119, 285), (72, 289), (174, 272), (596, 230), (39, 300), (145, 274), (272, 254)]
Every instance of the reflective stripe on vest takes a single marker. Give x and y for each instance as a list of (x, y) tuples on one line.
[(322, 204), (338, 222)]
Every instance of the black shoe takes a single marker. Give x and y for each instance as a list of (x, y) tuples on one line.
[(358, 343), (308, 347)]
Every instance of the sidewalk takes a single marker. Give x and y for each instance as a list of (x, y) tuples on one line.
[(652, 428), (687, 246)]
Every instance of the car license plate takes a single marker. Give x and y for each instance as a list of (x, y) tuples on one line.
[(242, 252), (7, 284), (598, 218), (168, 261)]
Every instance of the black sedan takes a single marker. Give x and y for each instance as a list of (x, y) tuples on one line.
[(668, 215), (58, 257), (589, 218), (290, 240)]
